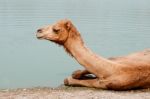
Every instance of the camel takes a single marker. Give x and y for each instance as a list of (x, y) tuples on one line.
[(116, 73)]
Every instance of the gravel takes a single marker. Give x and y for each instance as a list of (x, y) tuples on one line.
[(64, 92)]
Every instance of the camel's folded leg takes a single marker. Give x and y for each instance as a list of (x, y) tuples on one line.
[(110, 83), (82, 74), (78, 73), (87, 83)]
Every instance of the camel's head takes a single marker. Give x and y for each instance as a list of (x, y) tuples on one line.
[(57, 32)]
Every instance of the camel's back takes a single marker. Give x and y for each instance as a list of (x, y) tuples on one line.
[(136, 59)]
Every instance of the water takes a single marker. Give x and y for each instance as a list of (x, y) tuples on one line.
[(109, 28)]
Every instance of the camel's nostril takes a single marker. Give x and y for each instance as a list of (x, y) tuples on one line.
[(39, 30)]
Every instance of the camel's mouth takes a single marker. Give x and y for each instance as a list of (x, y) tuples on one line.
[(39, 36)]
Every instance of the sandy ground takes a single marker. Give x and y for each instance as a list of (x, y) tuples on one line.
[(72, 93)]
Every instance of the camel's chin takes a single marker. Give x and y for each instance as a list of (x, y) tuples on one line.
[(40, 38)]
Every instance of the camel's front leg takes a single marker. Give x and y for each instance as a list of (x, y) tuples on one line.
[(79, 73), (87, 83), (82, 74)]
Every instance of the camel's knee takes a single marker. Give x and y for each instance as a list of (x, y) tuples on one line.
[(82, 74), (66, 82), (77, 74)]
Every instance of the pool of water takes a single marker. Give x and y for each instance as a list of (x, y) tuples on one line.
[(109, 28)]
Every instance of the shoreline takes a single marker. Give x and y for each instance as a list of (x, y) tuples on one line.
[(65, 92)]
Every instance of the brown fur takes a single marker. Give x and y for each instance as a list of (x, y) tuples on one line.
[(119, 73)]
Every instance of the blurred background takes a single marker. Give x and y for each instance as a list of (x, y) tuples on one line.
[(108, 27)]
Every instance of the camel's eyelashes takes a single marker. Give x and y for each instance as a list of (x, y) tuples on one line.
[(56, 30)]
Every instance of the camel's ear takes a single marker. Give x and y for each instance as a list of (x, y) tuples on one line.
[(68, 25)]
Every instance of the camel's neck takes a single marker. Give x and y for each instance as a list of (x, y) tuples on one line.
[(89, 60)]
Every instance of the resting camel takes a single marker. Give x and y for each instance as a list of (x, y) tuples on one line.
[(118, 73)]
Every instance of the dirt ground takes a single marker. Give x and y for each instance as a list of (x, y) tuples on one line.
[(64, 92)]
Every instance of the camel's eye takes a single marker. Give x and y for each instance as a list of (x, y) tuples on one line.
[(55, 30)]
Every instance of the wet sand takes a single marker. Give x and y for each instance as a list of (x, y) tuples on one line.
[(64, 92)]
